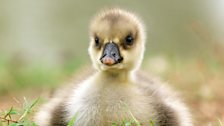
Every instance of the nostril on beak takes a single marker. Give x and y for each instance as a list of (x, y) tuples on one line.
[(120, 59), (113, 54)]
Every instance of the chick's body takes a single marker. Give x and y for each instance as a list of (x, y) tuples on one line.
[(108, 102)]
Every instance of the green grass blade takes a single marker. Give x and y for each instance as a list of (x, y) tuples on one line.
[(72, 121)]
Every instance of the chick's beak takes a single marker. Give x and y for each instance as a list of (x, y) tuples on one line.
[(111, 54)]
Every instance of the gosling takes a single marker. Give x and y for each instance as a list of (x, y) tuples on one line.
[(116, 92)]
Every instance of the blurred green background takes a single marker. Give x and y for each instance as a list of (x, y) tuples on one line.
[(43, 43)]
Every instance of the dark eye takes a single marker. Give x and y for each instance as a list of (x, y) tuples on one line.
[(97, 41), (129, 40)]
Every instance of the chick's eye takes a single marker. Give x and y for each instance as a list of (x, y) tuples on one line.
[(129, 40), (97, 41)]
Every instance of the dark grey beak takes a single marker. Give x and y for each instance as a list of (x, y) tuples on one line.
[(111, 54)]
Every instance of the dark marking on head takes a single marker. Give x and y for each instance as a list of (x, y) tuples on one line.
[(112, 17)]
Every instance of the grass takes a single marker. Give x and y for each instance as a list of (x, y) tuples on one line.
[(72, 121), (19, 117)]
